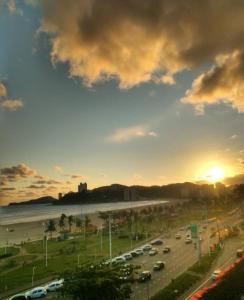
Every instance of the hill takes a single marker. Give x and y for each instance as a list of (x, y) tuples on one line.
[(41, 200)]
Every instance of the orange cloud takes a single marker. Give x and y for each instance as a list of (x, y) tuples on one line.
[(11, 105)]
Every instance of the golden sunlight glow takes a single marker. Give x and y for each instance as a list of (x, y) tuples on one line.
[(215, 174)]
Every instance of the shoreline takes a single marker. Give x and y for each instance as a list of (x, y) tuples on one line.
[(16, 233)]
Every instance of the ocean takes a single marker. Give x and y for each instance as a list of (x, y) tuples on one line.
[(29, 213)]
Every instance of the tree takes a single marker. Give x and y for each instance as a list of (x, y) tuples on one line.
[(87, 221), (70, 221), (50, 227), (61, 222), (78, 223), (94, 283)]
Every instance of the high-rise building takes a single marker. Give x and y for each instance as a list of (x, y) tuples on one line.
[(82, 187), (131, 194), (60, 196)]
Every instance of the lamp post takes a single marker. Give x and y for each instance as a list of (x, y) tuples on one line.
[(32, 278), (45, 237), (110, 238)]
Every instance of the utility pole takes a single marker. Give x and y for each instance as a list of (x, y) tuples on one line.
[(110, 239), (46, 250), (101, 228), (32, 278)]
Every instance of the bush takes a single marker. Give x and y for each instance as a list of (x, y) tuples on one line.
[(176, 287), (5, 255), (205, 263)]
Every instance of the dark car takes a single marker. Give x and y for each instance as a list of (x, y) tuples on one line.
[(166, 249), (159, 265), (134, 254), (157, 242), (144, 276)]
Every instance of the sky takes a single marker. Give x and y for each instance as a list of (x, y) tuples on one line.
[(129, 92)]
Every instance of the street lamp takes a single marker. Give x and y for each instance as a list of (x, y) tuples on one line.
[(32, 278)]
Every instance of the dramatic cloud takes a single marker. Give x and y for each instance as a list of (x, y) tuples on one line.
[(3, 90), (237, 179), (11, 104), (33, 186), (15, 173), (8, 189), (125, 134), (50, 181), (223, 82), (136, 41)]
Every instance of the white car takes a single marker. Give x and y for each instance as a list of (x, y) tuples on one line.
[(139, 251), (215, 274), (127, 256), (119, 260), (37, 292), (147, 247), (54, 286)]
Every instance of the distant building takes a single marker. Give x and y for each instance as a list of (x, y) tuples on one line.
[(60, 196), (131, 194), (82, 187)]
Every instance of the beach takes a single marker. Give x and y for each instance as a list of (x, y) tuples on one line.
[(27, 223)]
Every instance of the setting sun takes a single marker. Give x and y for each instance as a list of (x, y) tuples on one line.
[(215, 174)]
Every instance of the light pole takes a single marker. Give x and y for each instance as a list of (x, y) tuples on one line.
[(101, 228), (6, 244), (110, 238), (32, 278), (78, 260), (46, 249)]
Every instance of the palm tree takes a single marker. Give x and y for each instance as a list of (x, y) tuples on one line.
[(61, 222), (50, 227), (70, 221), (78, 223)]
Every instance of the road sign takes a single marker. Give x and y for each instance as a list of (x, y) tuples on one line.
[(194, 231)]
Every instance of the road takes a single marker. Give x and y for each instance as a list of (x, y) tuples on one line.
[(181, 257)]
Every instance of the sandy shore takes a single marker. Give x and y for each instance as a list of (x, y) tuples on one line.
[(30, 231)]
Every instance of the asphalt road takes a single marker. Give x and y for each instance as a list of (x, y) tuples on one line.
[(181, 257)]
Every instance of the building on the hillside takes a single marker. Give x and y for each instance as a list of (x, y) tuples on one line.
[(82, 187), (131, 194)]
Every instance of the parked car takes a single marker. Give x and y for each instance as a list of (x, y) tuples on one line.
[(178, 236), (126, 272), (166, 249), (157, 242), (19, 297), (239, 252), (144, 276), (147, 247), (37, 292), (159, 265), (54, 286), (153, 252), (215, 274), (188, 241), (119, 260), (139, 251), (127, 256), (133, 253)]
